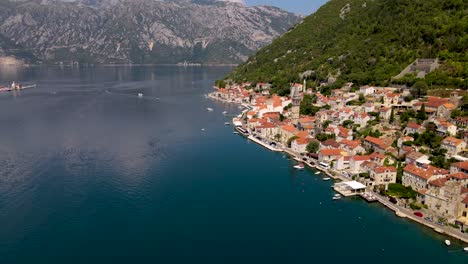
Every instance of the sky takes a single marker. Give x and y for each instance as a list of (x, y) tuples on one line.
[(304, 7)]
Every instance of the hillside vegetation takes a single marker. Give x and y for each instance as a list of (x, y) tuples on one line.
[(368, 42)]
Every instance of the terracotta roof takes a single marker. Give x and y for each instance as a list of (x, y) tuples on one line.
[(462, 165), (465, 201), (459, 175), (302, 134), (383, 169), (331, 152), (438, 182), (360, 158), (413, 126), (377, 155), (452, 141), (449, 106), (330, 143), (350, 143), (377, 141), (424, 172), (303, 141), (414, 155), (423, 191), (288, 128)]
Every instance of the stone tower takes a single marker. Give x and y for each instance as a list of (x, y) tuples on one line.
[(296, 105)]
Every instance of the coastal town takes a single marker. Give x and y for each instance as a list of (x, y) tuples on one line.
[(385, 144)]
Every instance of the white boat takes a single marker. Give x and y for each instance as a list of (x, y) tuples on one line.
[(299, 166), (202, 129), (225, 112), (235, 132), (318, 172), (447, 242), (140, 95), (326, 179), (227, 123), (336, 198), (465, 249), (337, 195), (209, 109)]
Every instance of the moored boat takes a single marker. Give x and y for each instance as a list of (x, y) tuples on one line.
[(326, 179), (225, 112), (227, 123), (209, 109), (318, 172), (299, 166), (447, 242), (336, 197), (140, 95), (465, 249)]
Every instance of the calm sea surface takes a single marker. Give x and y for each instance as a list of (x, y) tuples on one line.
[(90, 173)]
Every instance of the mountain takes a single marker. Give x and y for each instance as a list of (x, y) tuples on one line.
[(138, 31), (367, 42)]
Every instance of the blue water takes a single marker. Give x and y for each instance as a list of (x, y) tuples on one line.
[(90, 173)]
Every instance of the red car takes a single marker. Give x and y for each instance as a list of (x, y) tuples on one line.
[(418, 214)]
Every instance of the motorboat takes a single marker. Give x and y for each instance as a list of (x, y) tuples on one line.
[(336, 197), (225, 112), (235, 133), (318, 172), (209, 109), (465, 249), (447, 242), (140, 95), (299, 166), (326, 179), (202, 129), (227, 123)]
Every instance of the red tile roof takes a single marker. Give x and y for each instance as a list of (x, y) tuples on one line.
[(289, 128), (331, 152), (383, 169), (438, 182), (462, 165), (360, 158), (424, 172)]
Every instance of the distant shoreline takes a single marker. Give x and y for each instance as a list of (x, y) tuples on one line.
[(120, 65)]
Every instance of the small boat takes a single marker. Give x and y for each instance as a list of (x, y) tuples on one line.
[(465, 249), (202, 129), (318, 172), (299, 166), (227, 123), (225, 112), (336, 197), (235, 133), (140, 95), (326, 179), (447, 242), (209, 109)]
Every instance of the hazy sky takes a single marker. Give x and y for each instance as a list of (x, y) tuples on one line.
[(297, 6)]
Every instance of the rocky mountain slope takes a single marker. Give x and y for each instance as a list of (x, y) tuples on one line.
[(368, 42), (137, 31)]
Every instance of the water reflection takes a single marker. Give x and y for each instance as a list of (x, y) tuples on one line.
[(91, 119)]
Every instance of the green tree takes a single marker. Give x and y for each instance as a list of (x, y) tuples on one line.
[(422, 113), (312, 147), (419, 89), (392, 117)]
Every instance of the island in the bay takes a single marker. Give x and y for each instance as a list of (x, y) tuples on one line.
[(374, 93)]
